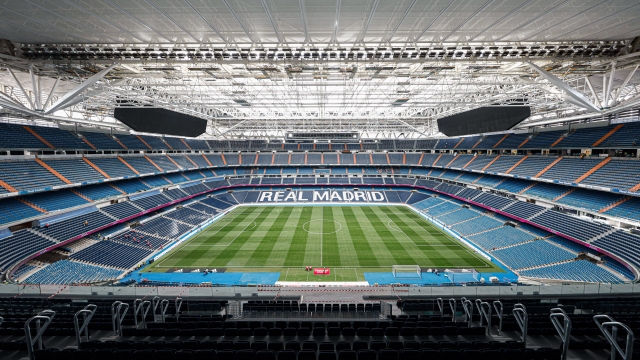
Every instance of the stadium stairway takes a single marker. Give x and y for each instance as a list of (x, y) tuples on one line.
[(569, 191), (619, 202), (548, 167), (516, 164), (607, 135), (96, 168), (594, 169), (635, 188), (54, 172)]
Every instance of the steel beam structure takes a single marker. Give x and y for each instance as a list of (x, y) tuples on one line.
[(389, 90)]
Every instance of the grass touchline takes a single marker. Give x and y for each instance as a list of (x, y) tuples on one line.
[(360, 238)]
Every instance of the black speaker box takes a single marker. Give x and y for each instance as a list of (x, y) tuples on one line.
[(483, 120), (160, 121)]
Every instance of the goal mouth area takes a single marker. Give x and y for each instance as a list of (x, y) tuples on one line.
[(406, 271), (462, 275)]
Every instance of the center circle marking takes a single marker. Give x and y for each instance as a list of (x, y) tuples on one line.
[(306, 225)]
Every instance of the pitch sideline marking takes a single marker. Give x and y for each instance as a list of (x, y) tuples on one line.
[(231, 216), (457, 243), (465, 248)]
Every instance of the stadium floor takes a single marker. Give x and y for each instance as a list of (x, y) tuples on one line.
[(350, 240)]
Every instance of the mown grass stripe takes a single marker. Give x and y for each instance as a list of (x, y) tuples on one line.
[(261, 255), (405, 236), (375, 239), (280, 240), (229, 255), (412, 234), (364, 253), (465, 255), (193, 253), (395, 248), (296, 254), (313, 249), (330, 249)]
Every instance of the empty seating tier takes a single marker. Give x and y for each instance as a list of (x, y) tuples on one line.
[(113, 254), (72, 272)]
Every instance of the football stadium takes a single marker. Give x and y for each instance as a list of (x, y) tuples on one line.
[(319, 180)]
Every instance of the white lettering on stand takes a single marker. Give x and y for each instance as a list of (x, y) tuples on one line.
[(264, 195), (322, 195)]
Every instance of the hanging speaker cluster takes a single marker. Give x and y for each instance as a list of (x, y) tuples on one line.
[(160, 121), (483, 120)]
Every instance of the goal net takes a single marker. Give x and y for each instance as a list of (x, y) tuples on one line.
[(407, 271), (462, 275)]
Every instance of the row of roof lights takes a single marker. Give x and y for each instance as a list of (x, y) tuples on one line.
[(317, 50)]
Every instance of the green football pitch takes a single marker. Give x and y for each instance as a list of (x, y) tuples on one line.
[(350, 240)]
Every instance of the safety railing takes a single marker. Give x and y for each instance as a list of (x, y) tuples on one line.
[(522, 319), (160, 307), (87, 314), (42, 321), (485, 311), (562, 323), (178, 305), (477, 303), (141, 307), (118, 312), (609, 329), (208, 292), (467, 305), (499, 308), (453, 305)]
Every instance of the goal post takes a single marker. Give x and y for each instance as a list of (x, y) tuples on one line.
[(462, 275), (407, 272)]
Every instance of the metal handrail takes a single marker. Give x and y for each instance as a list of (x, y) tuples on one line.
[(143, 307), (178, 304), (522, 318), (155, 301), (612, 336), (499, 308), (467, 305), (113, 315), (46, 316), (164, 305), (478, 302), (563, 329), (454, 306), (117, 315), (441, 306), (485, 310), (87, 314)]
